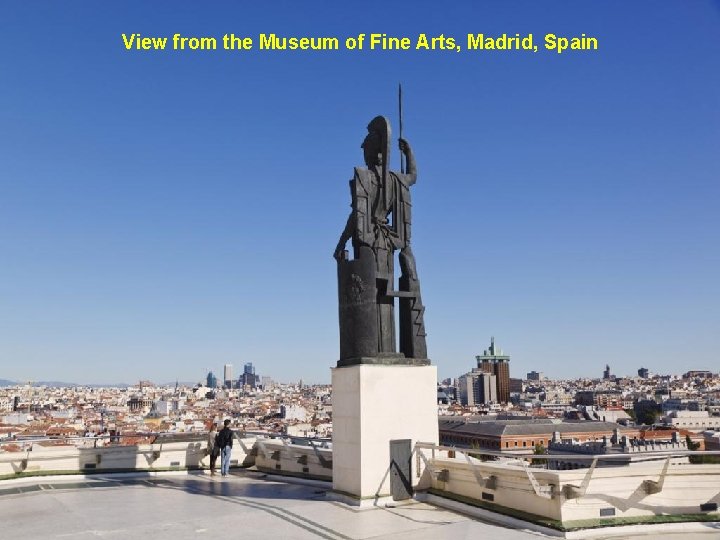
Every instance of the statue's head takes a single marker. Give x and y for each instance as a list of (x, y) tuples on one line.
[(372, 149), (376, 144)]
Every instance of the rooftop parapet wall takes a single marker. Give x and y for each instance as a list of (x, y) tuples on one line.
[(636, 490), (144, 457), (278, 457), (501, 484), (269, 455)]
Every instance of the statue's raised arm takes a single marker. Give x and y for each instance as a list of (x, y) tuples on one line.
[(409, 159)]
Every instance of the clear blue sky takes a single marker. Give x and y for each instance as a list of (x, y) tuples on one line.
[(162, 213)]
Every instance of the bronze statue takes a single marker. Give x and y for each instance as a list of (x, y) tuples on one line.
[(379, 225)]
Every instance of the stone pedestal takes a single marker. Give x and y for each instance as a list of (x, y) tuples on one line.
[(372, 405)]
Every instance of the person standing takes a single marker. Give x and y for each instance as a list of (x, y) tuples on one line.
[(224, 442), (212, 449)]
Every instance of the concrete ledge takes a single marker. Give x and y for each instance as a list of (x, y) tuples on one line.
[(102, 476), (487, 515), (292, 474), (60, 479), (321, 484), (651, 530), (366, 503), (279, 473), (601, 530), (74, 475)]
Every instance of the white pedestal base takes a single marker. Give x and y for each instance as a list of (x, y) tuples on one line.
[(373, 404)]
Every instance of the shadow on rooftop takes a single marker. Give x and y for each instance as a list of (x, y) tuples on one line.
[(251, 495)]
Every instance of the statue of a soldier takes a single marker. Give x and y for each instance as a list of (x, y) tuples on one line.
[(379, 225)]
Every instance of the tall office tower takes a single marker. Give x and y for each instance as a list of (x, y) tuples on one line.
[(466, 390), (606, 373), (502, 374), (227, 376), (477, 388), (493, 361), (485, 364), (211, 380), (248, 377), (486, 385)]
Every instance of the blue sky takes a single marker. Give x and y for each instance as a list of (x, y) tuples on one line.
[(166, 212)]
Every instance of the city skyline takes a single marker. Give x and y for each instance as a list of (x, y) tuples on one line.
[(202, 380), (165, 211)]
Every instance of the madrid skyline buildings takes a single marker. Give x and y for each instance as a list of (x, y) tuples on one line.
[(161, 212)]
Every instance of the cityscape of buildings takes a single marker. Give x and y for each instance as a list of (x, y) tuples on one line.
[(608, 427), (646, 407), (248, 378), (125, 414)]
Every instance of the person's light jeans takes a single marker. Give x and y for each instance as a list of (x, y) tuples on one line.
[(225, 454)]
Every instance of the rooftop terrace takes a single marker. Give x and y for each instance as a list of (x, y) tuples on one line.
[(163, 489), (177, 506), (246, 504)]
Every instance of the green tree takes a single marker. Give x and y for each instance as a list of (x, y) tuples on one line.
[(539, 450), (647, 417)]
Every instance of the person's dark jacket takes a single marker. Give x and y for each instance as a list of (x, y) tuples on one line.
[(224, 438)]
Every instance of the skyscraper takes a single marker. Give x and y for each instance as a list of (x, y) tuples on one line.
[(466, 391), (248, 378), (477, 388), (606, 373), (227, 376), (211, 380), (492, 361)]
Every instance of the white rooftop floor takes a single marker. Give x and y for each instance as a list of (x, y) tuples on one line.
[(243, 505)]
